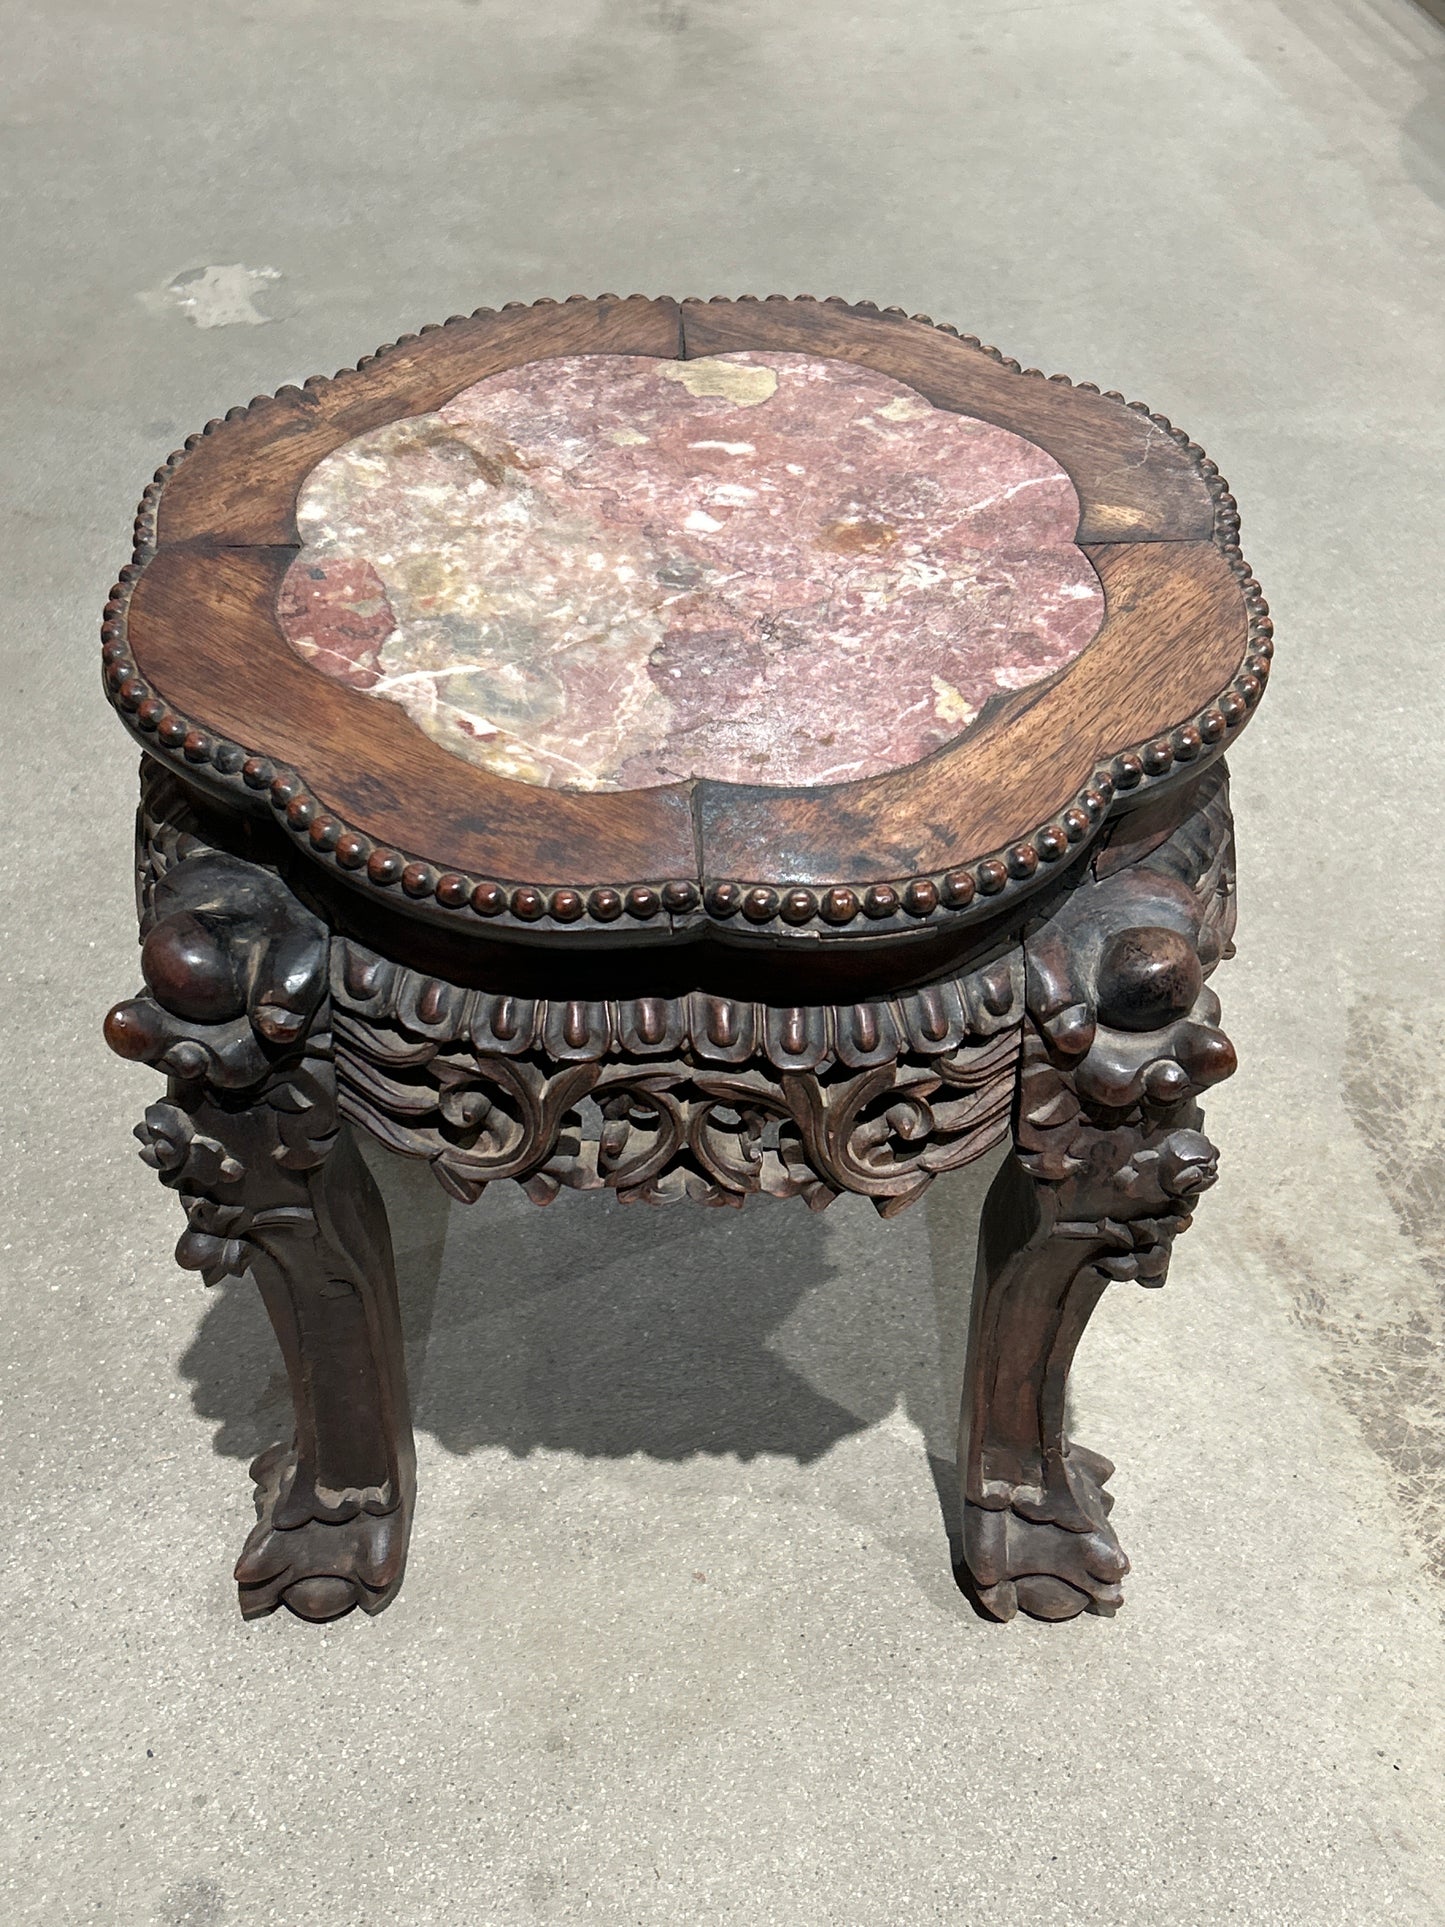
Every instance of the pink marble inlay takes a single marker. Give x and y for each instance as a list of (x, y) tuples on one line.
[(608, 571)]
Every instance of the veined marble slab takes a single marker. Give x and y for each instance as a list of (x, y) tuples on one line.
[(607, 572)]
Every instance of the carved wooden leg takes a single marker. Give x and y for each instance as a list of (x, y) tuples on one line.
[(236, 1012), (1035, 1513), (1121, 1034), (333, 1509)]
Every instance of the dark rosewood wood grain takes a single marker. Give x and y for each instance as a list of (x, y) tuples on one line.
[(1120, 1037), (240, 484), (702, 1097), (196, 665), (1135, 483), (1092, 1026), (203, 627), (1173, 634), (1015, 933), (203, 623), (236, 1012)]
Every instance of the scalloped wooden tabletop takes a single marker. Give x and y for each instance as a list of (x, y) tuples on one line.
[(200, 669)]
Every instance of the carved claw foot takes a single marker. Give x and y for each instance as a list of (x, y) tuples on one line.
[(320, 1569), (1021, 1561), (236, 1011), (1121, 1036)]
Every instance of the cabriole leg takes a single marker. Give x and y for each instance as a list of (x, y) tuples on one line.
[(1121, 1035), (236, 1012)]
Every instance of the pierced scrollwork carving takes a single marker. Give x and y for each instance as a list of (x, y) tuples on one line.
[(1120, 1038), (663, 1099), (1098, 1027)]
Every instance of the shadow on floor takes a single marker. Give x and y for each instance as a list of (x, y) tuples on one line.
[(606, 1330)]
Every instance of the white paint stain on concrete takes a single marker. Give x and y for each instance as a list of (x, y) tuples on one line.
[(217, 297)]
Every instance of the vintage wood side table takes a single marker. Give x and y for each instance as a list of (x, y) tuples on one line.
[(698, 749)]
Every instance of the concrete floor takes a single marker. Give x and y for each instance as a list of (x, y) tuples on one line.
[(680, 1641)]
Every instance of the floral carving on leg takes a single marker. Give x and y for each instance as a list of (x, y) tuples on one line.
[(1121, 1037), (236, 1013)]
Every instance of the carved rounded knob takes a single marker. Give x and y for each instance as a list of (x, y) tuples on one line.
[(320, 1597), (190, 974), (1188, 1164), (1044, 1596), (1146, 979), (127, 1031), (1207, 1054)]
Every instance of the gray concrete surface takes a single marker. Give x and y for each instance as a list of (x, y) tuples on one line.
[(680, 1641)]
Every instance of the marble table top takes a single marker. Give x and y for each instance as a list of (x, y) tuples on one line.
[(606, 572)]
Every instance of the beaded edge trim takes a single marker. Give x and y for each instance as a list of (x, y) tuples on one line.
[(898, 904)]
